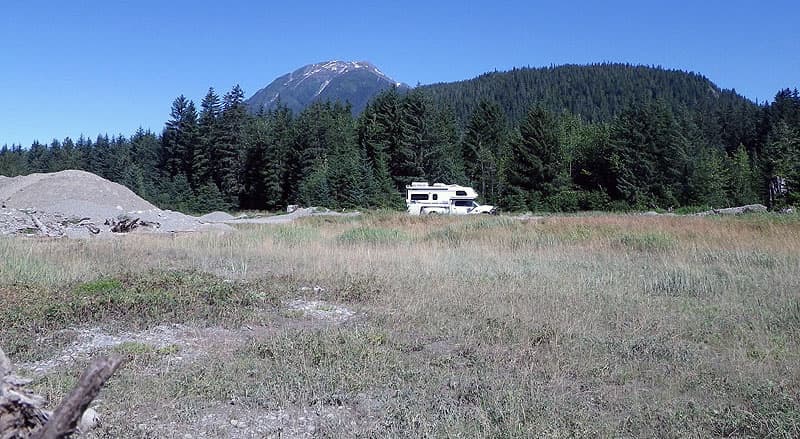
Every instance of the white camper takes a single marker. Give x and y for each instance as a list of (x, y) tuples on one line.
[(426, 199)]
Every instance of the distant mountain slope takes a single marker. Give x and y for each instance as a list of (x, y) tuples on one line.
[(353, 82), (597, 92)]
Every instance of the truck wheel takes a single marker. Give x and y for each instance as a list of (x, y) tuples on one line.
[(433, 212)]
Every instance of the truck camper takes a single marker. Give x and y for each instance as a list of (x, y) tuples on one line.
[(443, 199)]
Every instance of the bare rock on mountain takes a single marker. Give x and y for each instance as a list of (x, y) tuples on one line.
[(354, 82)]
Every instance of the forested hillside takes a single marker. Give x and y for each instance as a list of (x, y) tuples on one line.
[(596, 93), (673, 147)]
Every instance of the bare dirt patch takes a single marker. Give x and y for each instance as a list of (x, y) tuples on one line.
[(321, 310), (89, 341)]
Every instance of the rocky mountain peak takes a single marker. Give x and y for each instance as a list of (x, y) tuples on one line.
[(355, 82)]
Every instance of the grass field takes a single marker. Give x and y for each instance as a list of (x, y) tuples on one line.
[(388, 325)]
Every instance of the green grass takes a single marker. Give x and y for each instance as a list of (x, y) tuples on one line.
[(131, 301), (647, 242), (372, 235)]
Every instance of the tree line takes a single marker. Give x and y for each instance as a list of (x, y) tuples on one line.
[(650, 155)]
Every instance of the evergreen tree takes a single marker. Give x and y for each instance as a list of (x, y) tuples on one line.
[(408, 161), (231, 148), (13, 161), (208, 138), (742, 183), (375, 136), (389, 137), (781, 164), (346, 179), (37, 158), (649, 157), (593, 171), (71, 156), (485, 142), (270, 140), (443, 161), (315, 189), (320, 130), (277, 157), (709, 178), (171, 150), (535, 167)]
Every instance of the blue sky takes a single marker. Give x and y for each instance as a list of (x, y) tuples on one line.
[(89, 67)]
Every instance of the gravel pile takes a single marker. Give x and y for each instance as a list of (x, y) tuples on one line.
[(81, 204)]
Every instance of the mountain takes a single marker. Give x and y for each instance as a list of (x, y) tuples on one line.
[(596, 92), (356, 82)]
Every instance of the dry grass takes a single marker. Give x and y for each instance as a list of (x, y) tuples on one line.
[(565, 326)]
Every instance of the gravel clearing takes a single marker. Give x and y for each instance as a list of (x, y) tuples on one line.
[(279, 219)]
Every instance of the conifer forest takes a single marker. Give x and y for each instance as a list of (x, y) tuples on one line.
[(600, 137)]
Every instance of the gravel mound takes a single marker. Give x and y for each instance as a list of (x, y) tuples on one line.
[(73, 193), (217, 217), (81, 204)]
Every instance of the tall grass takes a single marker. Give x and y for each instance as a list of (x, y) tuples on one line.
[(604, 325)]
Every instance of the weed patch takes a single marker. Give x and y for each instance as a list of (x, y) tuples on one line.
[(647, 241), (373, 236), (294, 234)]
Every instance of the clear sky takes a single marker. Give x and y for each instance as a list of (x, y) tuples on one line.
[(87, 66)]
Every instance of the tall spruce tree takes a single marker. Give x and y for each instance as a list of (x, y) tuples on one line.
[(389, 137), (208, 139), (408, 163), (373, 144), (535, 167), (485, 142), (231, 148), (179, 139)]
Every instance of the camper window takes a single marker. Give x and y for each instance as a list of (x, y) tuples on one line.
[(461, 193), (419, 197)]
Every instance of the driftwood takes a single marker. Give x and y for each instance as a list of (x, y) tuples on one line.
[(124, 225), (66, 417), (45, 231), (22, 415)]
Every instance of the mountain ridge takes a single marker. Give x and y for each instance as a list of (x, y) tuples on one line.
[(595, 92)]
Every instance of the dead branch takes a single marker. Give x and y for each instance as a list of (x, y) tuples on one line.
[(65, 419)]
